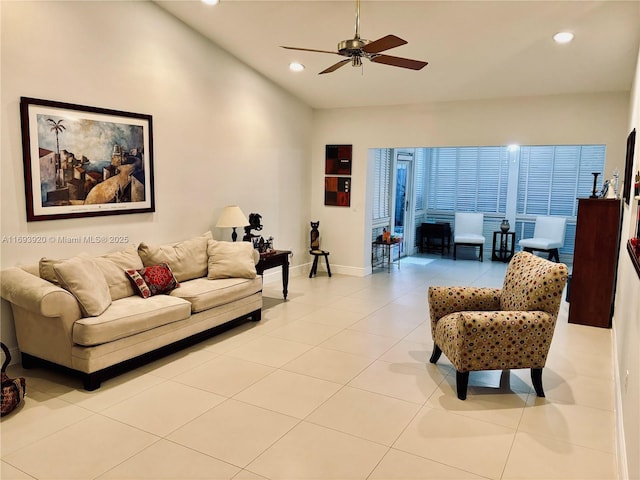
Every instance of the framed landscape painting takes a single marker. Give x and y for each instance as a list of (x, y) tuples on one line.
[(84, 161)]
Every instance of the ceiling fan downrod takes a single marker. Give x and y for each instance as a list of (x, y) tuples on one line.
[(357, 19)]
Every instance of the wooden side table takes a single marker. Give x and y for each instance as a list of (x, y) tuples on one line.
[(435, 235), (278, 258), (504, 245)]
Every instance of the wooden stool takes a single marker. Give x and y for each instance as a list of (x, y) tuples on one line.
[(316, 254)]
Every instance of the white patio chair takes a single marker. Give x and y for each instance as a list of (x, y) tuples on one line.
[(548, 236), (468, 231)]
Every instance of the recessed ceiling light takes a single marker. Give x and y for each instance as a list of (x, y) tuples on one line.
[(211, 2), (296, 67), (563, 37)]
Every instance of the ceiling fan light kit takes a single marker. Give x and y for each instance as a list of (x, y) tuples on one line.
[(357, 48)]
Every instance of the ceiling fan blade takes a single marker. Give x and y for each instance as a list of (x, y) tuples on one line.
[(309, 50), (399, 62), (336, 66), (384, 43)]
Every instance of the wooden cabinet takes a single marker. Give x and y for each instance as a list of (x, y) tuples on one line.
[(595, 262)]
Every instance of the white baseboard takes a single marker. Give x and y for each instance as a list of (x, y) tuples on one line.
[(621, 449), (304, 269)]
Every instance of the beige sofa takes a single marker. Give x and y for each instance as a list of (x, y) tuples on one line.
[(90, 315)]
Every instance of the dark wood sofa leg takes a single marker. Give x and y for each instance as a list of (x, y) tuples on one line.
[(91, 381), (436, 354), (462, 381), (536, 378), (256, 315), (28, 361)]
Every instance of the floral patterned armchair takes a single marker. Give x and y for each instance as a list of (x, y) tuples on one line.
[(499, 329)]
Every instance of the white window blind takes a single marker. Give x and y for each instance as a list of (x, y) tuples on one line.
[(420, 166), (472, 179), (382, 191), (551, 178)]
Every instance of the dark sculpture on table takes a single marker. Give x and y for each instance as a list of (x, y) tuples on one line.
[(255, 220)]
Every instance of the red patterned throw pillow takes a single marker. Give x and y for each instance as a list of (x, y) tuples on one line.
[(152, 280)]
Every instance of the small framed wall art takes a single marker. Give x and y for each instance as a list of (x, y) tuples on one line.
[(84, 161), (338, 160), (337, 191), (337, 168)]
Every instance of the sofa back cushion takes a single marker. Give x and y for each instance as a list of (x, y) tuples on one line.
[(46, 270), (113, 266), (85, 281), (231, 260), (187, 259)]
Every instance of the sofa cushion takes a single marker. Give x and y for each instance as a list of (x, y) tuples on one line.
[(204, 294), (45, 267), (187, 259), (230, 260), (153, 280), (130, 316), (113, 266), (85, 281)]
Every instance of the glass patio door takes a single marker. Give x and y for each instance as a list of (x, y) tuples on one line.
[(403, 219)]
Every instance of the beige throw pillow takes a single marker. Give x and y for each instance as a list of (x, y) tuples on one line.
[(85, 281), (187, 259), (231, 260)]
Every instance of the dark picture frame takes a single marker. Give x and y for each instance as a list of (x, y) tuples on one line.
[(337, 191), (338, 159), (628, 167), (82, 161)]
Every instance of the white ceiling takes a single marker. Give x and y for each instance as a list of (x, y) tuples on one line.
[(475, 49)]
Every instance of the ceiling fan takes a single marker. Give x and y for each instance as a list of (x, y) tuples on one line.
[(357, 48)]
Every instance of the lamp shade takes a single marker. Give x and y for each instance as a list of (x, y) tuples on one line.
[(232, 216)]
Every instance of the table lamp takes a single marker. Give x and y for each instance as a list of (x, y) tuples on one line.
[(232, 217)]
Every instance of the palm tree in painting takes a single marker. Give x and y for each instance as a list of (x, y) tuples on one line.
[(58, 128)]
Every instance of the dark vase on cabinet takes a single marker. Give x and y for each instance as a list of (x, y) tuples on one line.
[(595, 260)]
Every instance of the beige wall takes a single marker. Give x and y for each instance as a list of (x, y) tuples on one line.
[(222, 133), (554, 120), (626, 322)]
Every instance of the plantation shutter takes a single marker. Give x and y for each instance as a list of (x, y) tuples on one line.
[(471, 179), (382, 192), (551, 178), (420, 169)]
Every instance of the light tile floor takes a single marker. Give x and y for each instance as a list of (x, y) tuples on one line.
[(332, 384)]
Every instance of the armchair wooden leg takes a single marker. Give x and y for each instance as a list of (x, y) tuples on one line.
[(436, 354), (462, 381), (536, 378)]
